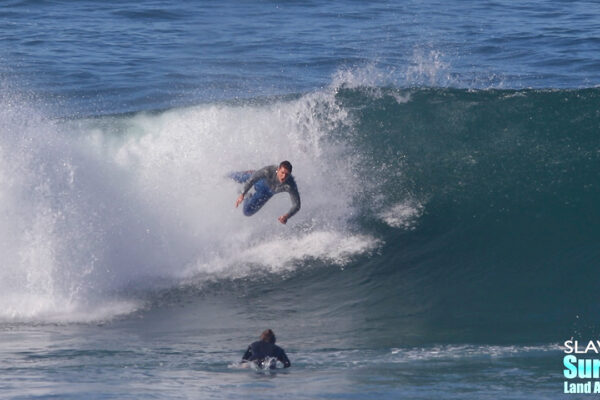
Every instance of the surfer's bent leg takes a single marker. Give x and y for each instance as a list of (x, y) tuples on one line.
[(241, 176), (255, 202)]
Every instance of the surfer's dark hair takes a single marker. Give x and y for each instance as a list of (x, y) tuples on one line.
[(287, 165), (268, 336)]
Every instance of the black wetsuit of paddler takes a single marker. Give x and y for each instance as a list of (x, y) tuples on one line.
[(260, 350)]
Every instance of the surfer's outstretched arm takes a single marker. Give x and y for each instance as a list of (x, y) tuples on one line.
[(257, 175), (262, 173), (295, 197)]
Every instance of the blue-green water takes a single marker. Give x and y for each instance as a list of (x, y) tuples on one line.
[(447, 155)]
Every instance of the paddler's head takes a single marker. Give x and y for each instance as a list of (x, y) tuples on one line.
[(268, 336)]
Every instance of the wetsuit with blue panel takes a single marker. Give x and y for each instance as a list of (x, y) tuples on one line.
[(266, 184)]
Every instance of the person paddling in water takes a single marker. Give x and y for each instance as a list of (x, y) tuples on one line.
[(265, 353), (267, 181)]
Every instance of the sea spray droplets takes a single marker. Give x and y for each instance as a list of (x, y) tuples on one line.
[(403, 215), (427, 68), (48, 231)]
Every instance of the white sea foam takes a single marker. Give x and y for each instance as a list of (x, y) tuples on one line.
[(462, 352), (283, 254)]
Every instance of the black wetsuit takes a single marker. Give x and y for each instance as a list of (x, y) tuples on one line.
[(260, 350)]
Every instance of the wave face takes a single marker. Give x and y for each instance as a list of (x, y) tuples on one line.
[(435, 207), (487, 202)]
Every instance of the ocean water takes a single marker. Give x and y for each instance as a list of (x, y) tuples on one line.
[(448, 160)]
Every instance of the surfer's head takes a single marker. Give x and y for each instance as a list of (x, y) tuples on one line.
[(284, 171), (268, 336)]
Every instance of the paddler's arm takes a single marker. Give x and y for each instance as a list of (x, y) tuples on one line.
[(247, 354)]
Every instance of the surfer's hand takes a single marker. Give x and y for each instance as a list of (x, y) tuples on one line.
[(239, 200), (283, 219)]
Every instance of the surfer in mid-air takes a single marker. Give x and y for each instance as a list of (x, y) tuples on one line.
[(265, 352), (267, 181)]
